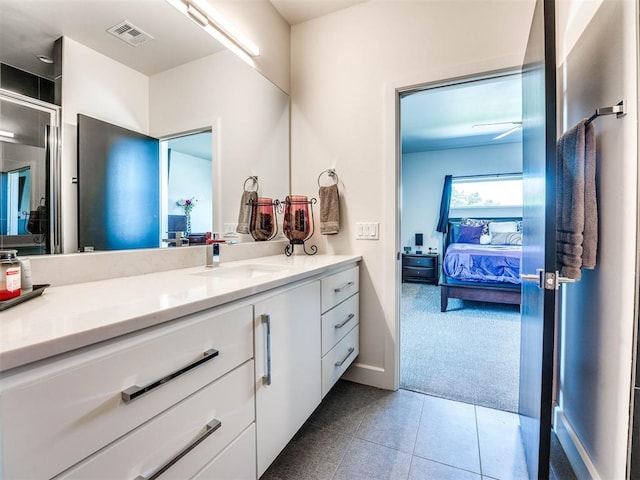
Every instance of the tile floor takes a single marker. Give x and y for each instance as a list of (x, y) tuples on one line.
[(361, 432)]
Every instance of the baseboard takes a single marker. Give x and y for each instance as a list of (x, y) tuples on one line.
[(575, 451), (369, 375)]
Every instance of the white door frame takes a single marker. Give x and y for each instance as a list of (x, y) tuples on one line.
[(390, 377)]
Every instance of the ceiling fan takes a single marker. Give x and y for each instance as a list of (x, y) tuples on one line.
[(515, 126)]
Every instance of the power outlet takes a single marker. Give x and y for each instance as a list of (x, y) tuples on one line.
[(367, 231)]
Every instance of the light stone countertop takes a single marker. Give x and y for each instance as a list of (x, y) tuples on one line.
[(73, 316)]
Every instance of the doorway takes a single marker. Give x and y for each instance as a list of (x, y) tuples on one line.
[(463, 349), (187, 193)]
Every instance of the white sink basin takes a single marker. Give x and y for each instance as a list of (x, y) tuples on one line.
[(241, 272)]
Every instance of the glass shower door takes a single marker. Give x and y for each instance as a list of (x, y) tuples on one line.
[(28, 175)]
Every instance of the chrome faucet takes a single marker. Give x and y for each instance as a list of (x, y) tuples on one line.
[(212, 259), (178, 240)]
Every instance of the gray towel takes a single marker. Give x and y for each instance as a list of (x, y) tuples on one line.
[(577, 212), (244, 216), (329, 210)]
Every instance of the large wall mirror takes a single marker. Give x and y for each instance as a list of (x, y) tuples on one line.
[(181, 87)]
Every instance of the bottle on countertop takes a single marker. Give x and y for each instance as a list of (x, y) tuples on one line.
[(26, 284), (9, 274)]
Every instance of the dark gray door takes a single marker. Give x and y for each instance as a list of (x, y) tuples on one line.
[(539, 256)]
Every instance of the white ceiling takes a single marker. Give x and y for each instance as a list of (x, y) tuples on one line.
[(444, 117), (433, 119), (29, 27), (298, 11), (196, 145)]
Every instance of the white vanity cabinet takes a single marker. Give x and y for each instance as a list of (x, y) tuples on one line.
[(288, 372), (59, 412), (211, 395), (340, 325)]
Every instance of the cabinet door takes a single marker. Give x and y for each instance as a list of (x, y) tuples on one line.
[(288, 367)]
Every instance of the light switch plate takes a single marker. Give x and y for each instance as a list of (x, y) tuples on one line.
[(367, 231)]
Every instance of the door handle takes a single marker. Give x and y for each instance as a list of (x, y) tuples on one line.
[(266, 319), (530, 276), (549, 280), (534, 277)]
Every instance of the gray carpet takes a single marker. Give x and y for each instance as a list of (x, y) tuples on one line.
[(470, 353)]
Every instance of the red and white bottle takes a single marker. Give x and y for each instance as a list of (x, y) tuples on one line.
[(9, 274)]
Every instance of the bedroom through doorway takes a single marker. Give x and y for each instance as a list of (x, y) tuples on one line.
[(461, 192)]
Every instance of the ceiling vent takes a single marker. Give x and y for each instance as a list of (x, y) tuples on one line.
[(127, 32)]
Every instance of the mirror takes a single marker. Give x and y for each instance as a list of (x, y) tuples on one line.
[(180, 82)]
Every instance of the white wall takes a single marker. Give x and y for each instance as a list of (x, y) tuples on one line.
[(248, 117), (262, 24), (191, 177), (423, 177), (345, 69), (99, 87), (598, 312)]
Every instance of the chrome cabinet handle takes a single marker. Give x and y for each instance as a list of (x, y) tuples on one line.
[(346, 285), (345, 321), (266, 319), (135, 391), (351, 350), (211, 427)]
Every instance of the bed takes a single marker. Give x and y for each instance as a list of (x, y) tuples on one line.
[(487, 271)]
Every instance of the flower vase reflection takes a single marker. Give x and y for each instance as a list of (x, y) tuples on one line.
[(298, 224), (187, 205), (263, 225), (187, 223)]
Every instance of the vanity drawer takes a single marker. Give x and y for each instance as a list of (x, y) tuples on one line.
[(338, 287), (236, 462), (337, 322), (336, 362), (215, 416), (64, 409)]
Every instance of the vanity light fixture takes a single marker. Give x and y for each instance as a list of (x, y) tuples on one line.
[(202, 13), (7, 134)]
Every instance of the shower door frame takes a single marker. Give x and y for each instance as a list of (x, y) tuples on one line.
[(53, 188)]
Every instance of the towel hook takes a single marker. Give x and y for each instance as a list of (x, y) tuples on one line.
[(331, 173), (254, 180)]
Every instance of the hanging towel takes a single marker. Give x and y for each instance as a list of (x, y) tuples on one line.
[(576, 209), (329, 210), (590, 242), (244, 216)]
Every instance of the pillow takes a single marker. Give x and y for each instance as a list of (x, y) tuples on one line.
[(470, 234), (495, 227), (485, 239), (474, 222), (506, 238)]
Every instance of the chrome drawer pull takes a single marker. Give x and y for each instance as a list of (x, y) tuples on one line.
[(346, 285), (135, 391), (351, 350), (266, 378), (211, 427), (345, 321)]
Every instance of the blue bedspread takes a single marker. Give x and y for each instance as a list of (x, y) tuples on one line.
[(483, 263)]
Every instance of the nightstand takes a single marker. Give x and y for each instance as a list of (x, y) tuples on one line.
[(420, 268)]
